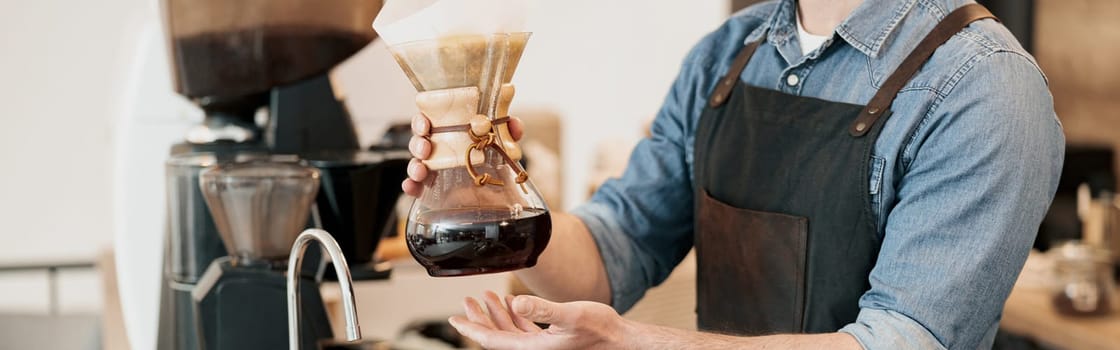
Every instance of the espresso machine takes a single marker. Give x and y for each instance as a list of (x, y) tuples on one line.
[(259, 71)]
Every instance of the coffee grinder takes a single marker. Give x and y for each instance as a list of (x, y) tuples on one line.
[(259, 207), (259, 71)]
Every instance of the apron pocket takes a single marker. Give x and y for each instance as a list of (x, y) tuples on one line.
[(751, 269)]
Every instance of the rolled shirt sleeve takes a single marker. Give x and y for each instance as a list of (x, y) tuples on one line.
[(985, 167), (886, 329)]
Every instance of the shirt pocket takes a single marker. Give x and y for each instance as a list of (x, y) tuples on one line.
[(878, 165)]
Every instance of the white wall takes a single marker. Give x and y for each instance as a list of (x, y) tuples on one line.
[(606, 66), (61, 64)]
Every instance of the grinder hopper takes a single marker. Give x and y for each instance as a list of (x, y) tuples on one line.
[(223, 49)]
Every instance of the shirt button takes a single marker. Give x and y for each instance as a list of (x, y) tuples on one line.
[(792, 80)]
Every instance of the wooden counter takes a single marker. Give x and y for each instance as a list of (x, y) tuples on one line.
[(1029, 313)]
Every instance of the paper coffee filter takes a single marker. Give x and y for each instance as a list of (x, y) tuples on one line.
[(402, 21)]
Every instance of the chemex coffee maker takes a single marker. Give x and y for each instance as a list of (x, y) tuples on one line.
[(276, 154), (479, 211)]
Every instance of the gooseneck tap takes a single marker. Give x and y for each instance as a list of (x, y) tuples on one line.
[(295, 260)]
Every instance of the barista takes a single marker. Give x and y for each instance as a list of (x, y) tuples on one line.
[(847, 181)]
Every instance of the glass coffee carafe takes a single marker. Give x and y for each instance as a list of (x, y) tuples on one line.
[(479, 211)]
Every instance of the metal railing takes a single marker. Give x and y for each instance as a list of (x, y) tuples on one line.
[(52, 269)]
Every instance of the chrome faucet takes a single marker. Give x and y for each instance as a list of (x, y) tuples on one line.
[(295, 260)]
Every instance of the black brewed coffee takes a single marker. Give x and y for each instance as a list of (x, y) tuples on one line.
[(459, 242)]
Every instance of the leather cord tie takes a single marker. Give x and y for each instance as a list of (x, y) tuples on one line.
[(481, 143)]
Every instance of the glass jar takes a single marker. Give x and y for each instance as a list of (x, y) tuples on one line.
[(1084, 284)]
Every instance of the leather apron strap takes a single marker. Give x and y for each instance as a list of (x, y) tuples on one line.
[(727, 84), (879, 105)]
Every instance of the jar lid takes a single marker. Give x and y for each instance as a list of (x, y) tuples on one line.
[(1080, 251)]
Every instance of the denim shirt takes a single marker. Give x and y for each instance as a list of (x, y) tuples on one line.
[(961, 176)]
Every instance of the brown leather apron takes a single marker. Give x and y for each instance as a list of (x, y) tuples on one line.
[(785, 238)]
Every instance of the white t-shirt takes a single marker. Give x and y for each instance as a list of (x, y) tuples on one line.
[(809, 42)]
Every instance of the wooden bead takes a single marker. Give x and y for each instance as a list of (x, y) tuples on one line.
[(480, 125)]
